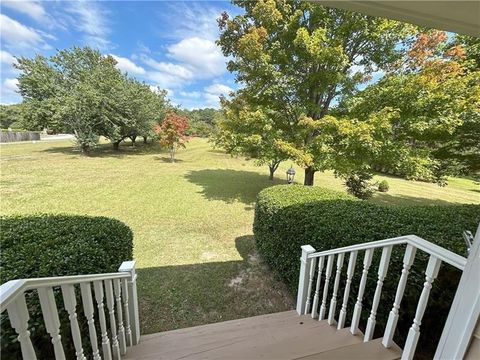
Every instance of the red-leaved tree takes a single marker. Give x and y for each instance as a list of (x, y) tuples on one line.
[(171, 133)]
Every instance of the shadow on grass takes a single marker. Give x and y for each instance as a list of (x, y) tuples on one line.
[(173, 297), (166, 159), (106, 150), (230, 185), (405, 200)]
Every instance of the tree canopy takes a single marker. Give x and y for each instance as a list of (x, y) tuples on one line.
[(81, 90), (297, 59)]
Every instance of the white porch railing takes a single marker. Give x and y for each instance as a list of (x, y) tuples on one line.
[(313, 266), (117, 292)]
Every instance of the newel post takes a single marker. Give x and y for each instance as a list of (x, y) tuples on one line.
[(303, 278), (129, 266)]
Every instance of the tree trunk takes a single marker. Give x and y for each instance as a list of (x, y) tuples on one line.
[(273, 166), (172, 155), (116, 144), (133, 139), (272, 171), (144, 139), (309, 176), (85, 149)]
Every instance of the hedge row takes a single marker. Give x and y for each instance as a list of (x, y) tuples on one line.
[(57, 245), (287, 217)]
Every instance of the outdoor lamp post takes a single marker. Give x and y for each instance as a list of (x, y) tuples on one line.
[(290, 175)]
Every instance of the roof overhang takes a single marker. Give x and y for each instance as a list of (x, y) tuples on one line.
[(462, 17)]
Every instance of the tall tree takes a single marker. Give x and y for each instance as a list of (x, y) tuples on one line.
[(299, 58), (76, 86), (252, 132), (435, 91)]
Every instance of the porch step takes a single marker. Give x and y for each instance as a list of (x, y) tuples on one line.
[(282, 335)]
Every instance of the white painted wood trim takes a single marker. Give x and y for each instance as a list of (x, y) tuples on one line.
[(350, 270), (357, 311), (408, 259), (465, 311), (445, 255), (333, 301), (305, 262)]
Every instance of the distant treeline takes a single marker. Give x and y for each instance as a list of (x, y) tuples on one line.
[(202, 121)]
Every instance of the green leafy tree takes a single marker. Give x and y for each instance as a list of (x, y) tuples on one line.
[(299, 58), (435, 93), (251, 132), (75, 86), (12, 116)]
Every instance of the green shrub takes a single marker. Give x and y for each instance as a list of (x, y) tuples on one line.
[(287, 217), (57, 245), (359, 185), (383, 186)]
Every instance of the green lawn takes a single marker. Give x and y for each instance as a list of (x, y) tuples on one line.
[(192, 220)]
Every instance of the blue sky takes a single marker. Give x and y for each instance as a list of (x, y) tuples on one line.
[(169, 44)]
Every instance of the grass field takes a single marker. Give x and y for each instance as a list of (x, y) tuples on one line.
[(192, 220)]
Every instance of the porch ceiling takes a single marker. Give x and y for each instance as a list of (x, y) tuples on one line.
[(461, 17)]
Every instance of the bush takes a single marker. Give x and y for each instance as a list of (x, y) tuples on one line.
[(57, 245), (287, 217), (383, 186), (359, 185)]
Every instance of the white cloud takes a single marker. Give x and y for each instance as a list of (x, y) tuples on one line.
[(201, 56), (168, 68), (8, 92), (7, 58), (128, 65), (195, 19), (19, 35), (90, 19), (10, 85), (33, 9), (218, 89), (191, 94)]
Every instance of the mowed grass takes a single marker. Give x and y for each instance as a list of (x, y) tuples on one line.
[(192, 220)]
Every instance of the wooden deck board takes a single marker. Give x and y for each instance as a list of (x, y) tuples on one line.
[(282, 335)]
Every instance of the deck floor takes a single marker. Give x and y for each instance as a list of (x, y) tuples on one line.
[(282, 335)]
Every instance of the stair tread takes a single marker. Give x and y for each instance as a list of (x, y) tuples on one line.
[(369, 350), (275, 336)]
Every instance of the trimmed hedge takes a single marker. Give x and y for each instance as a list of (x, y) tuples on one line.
[(57, 245), (287, 217)]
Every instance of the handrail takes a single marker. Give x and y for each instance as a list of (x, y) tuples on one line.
[(442, 254), (10, 289)]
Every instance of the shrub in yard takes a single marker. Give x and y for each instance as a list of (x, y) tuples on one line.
[(383, 186), (358, 184), (287, 217), (57, 245)]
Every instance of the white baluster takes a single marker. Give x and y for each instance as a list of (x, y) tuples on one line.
[(18, 315), (328, 274), (414, 333), (121, 329), (317, 287), (87, 302), (70, 302), (367, 261), (382, 272), (333, 301), (128, 330), (310, 285), (408, 258), (350, 270), (99, 295), (111, 311), (50, 317), (303, 278), (129, 267)]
